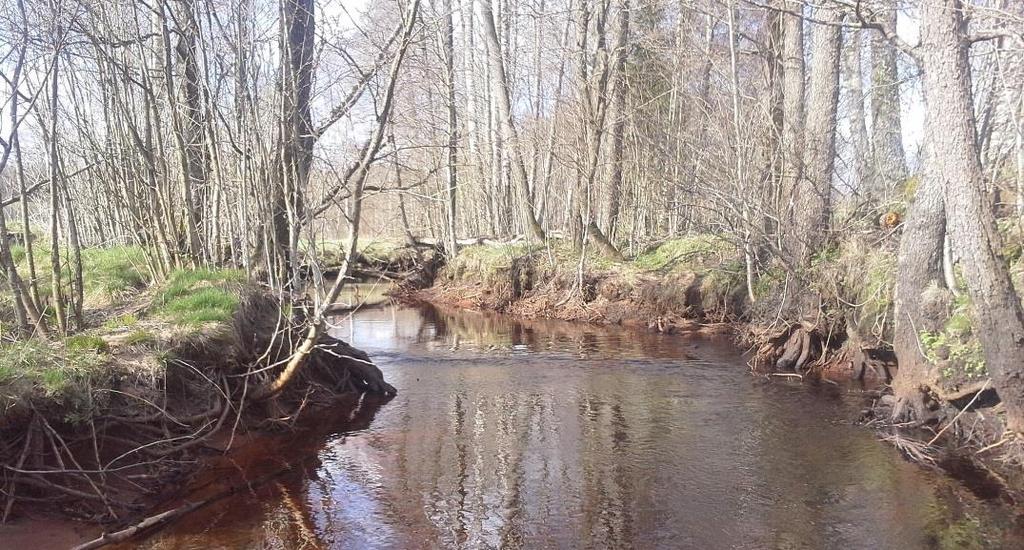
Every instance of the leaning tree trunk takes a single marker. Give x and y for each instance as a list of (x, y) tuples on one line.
[(954, 151), (509, 134)]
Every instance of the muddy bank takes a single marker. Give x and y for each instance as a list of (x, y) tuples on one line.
[(842, 345), (538, 433), (149, 412)]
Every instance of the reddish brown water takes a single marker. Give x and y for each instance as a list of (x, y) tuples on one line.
[(511, 434)]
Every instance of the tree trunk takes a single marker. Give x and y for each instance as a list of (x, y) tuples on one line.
[(448, 39), (509, 135), (296, 137), (813, 192), (954, 153), (618, 110), (888, 167), (918, 268), (792, 111)]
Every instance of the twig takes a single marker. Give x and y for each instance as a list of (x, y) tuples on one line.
[(962, 411)]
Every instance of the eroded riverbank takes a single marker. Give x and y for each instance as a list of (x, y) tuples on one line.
[(525, 433)]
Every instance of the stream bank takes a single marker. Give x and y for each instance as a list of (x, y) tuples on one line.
[(696, 285), (97, 426)]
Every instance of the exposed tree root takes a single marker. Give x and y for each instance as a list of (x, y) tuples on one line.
[(144, 435)]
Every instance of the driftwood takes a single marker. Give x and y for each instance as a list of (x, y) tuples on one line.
[(166, 517)]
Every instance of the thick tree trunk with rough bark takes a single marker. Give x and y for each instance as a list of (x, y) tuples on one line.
[(792, 108), (919, 265), (954, 153), (813, 191)]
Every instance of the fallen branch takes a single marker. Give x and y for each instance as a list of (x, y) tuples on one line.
[(166, 517)]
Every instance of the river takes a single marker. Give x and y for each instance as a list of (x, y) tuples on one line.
[(541, 434)]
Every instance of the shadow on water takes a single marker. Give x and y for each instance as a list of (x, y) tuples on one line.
[(522, 434)]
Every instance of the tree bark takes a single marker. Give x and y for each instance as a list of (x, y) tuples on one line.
[(954, 152), (813, 192), (888, 167), (509, 133)]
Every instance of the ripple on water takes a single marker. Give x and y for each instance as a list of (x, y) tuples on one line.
[(532, 434)]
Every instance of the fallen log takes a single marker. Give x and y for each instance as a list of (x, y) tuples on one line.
[(166, 517)]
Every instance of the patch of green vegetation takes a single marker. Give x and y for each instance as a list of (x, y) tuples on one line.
[(195, 297), (689, 252), (910, 186), (121, 321), (114, 272), (720, 285), (36, 367), (18, 253), (956, 343), (86, 342), (108, 274), (770, 281), (964, 534), (486, 262), (140, 337)]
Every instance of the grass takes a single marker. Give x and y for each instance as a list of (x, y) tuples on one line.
[(114, 272), (64, 373), (486, 262), (192, 298), (140, 337), (109, 274), (690, 252)]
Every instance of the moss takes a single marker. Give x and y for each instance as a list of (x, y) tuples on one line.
[(910, 187), (956, 345)]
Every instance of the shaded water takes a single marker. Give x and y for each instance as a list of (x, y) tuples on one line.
[(515, 434)]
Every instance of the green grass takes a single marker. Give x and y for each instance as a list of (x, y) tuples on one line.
[(34, 367), (122, 321), (108, 274), (114, 272), (140, 338), (690, 252), (486, 262), (193, 298), (86, 342)]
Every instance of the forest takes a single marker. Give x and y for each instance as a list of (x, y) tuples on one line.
[(189, 189)]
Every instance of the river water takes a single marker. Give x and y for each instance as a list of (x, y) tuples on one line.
[(542, 434)]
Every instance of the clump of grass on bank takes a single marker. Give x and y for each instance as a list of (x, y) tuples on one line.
[(486, 262), (62, 372), (109, 274), (691, 252), (114, 273), (192, 298)]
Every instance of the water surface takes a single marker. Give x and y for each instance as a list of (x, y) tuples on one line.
[(541, 434)]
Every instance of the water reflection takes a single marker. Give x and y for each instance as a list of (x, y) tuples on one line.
[(509, 434)]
